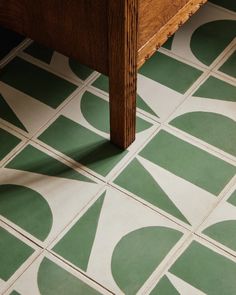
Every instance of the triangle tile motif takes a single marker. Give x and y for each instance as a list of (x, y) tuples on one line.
[(8, 114), (33, 160), (76, 245), (151, 191)]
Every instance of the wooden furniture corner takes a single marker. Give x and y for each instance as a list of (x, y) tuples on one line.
[(114, 37)]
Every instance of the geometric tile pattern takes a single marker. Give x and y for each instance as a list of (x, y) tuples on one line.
[(78, 215)]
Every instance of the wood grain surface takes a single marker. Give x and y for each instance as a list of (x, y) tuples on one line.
[(123, 17), (114, 37), (76, 28), (153, 15), (167, 30)]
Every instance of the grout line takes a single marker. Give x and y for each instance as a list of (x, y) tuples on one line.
[(225, 78), (152, 207), (69, 160), (182, 59), (217, 152), (21, 274), (14, 129), (13, 153), (22, 234), (76, 218), (47, 68), (222, 8), (78, 91), (14, 52), (158, 274), (230, 49), (216, 244), (205, 75), (77, 269), (193, 237), (135, 153), (221, 197)]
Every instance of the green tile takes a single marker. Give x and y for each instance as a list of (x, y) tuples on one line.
[(96, 112), (229, 4), (77, 243), (210, 39), (212, 128), (133, 178), (168, 43), (8, 114), (102, 82), (55, 280), (160, 68), (139, 253), (206, 270), (164, 287), (7, 143), (216, 89), (36, 82), (11, 40), (33, 160), (40, 52), (13, 253), (82, 145), (229, 67), (14, 293), (189, 162), (223, 232), (232, 198), (144, 106), (82, 71), (27, 209)]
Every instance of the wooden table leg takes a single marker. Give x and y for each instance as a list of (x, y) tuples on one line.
[(123, 15)]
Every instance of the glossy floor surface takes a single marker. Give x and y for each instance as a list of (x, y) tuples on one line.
[(77, 215)]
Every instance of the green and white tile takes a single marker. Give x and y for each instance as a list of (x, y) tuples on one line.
[(159, 91), (227, 4), (209, 115), (80, 216), (80, 133), (220, 226), (58, 63), (205, 37), (181, 179), (228, 65), (28, 106), (11, 41), (22, 112), (10, 143), (199, 269), (16, 254), (40, 195), (50, 276), (123, 242)]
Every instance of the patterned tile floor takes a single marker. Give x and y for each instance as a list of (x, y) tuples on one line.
[(77, 215)]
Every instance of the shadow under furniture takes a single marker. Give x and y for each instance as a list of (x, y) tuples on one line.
[(114, 37)]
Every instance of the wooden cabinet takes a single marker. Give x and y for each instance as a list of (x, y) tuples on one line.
[(114, 37)]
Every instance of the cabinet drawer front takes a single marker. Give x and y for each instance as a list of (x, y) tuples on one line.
[(153, 15)]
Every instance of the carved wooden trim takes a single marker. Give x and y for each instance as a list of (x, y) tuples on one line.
[(168, 30)]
